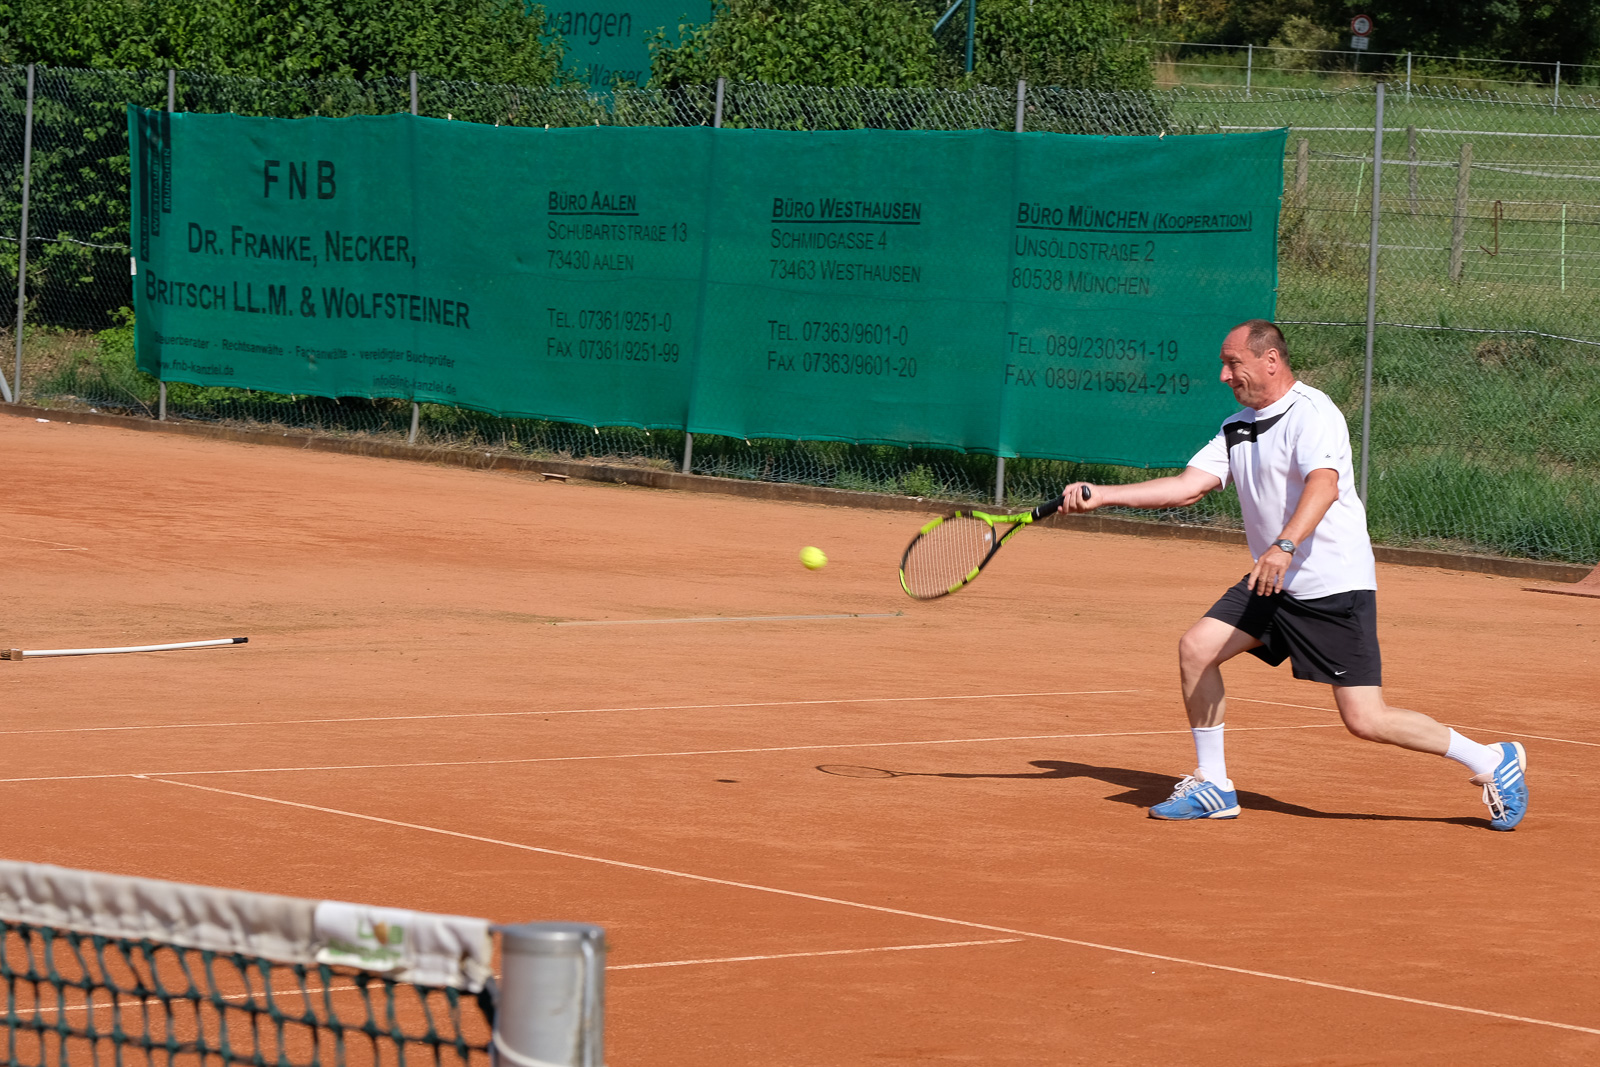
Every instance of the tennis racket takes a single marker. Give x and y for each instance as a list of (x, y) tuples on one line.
[(948, 553)]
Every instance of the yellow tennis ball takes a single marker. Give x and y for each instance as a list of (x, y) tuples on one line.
[(812, 558)]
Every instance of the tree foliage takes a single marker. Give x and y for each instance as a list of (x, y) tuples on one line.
[(889, 43), (479, 40), (1070, 43), (829, 43), (1535, 30)]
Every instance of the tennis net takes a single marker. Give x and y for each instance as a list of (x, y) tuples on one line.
[(135, 972)]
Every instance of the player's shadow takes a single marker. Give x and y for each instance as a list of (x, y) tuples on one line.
[(1144, 789)]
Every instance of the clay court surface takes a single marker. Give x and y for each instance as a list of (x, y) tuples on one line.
[(409, 726)]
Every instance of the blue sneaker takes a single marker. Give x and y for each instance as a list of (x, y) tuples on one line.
[(1506, 791), (1196, 798)]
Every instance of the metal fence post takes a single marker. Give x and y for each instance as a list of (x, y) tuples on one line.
[(688, 438), (1563, 248), (13, 391), (1372, 292), (551, 1010), (1302, 168), (1249, 67), (1557, 101), (1000, 461), (1411, 154), (972, 29), (1408, 77), (161, 383), (1458, 227), (416, 409)]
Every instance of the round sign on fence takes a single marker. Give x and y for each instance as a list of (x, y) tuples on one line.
[(1361, 25)]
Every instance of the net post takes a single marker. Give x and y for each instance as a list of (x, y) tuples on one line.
[(13, 391), (1372, 290), (551, 1010)]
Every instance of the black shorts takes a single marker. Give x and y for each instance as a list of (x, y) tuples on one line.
[(1331, 639)]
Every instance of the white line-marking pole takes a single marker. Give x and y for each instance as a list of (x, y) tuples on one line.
[(47, 653), (796, 894), (727, 618)]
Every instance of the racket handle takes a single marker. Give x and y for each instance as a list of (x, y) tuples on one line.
[(1050, 507)]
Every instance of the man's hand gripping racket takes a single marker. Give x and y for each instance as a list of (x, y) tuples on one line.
[(948, 553)]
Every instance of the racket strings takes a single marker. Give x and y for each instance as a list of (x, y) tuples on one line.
[(946, 555)]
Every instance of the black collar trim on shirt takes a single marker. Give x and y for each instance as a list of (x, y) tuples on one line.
[(1238, 433)]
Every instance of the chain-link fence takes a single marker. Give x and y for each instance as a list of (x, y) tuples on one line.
[(1278, 65), (1485, 424)]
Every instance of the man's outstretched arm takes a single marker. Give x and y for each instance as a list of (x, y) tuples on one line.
[(1176, 491)]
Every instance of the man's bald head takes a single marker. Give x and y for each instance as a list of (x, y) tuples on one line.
[(1261, 336), (1255, 363)]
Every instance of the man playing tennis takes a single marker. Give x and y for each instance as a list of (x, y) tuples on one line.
[(1310, 598)]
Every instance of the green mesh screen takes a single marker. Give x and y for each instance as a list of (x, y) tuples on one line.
[(1041, 295)]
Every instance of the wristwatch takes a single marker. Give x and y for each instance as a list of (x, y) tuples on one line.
[(1285, 544)]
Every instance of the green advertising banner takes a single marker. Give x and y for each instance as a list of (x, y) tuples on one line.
[(1020, 294), (605, 40)]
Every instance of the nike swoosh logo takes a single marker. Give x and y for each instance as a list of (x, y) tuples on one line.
[(1338, 673), (1241, 432)]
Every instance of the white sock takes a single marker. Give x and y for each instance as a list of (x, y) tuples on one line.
[(1208, 747), (1479, 759)]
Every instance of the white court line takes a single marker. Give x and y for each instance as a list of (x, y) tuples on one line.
[(634, 755), (728, 618), (60, 546), (881, 909), (797, 955), (1463, 726), (1537, 737), (575, 711), (1281, 704)]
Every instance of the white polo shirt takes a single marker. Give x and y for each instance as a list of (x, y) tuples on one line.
[(1268, 454)]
